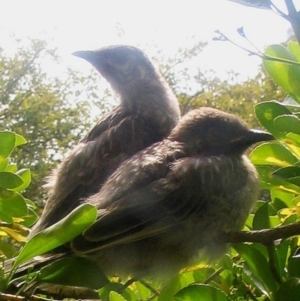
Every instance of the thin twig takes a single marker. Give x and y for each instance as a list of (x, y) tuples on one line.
[(213, 275), (263, 236)]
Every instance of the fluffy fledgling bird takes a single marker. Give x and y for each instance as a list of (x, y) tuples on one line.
[(147, 112), (172, 201)]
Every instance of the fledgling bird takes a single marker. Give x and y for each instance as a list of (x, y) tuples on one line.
[(172, 201), (147, 112)]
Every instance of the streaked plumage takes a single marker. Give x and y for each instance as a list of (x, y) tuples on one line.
[(172, 201), (147, 113)]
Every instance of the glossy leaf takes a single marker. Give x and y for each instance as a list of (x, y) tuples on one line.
[(61, 232), (292, 142), (266, 112), (8, 140), (3, 164), (258, 265), (261, 218), (14, 234), (284, 74), (25, 175), (288, 123), (12, 204), (272, 153), (30, 218), (281, 199), (294, 48), (268, 181), (74, 271), (9, 180), (105, 291), (20, 140), (282, 252), (290, 173), (200, 292), (114, 296)]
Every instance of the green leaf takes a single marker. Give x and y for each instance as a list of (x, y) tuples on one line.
[(261, 218), (294, 48), (272, 153), (284, 74), (143, 291), (294, 266), (266, 112), (114, 296), (281, 199), (294, 137), (173, 286), (7, 249), (282, 250), (258, 265), (200, 292), (12, 204), (268, 181), (9, 180), (12, 168), (287, 124), (7, 144), (290, 173), (30, 218), (25, 175), (289, 290), (105, 291), (60, 233), (3, 164), (20, 140), (74, 271)]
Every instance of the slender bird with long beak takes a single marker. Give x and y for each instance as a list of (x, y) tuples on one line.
[(172, 202), (147, 112)]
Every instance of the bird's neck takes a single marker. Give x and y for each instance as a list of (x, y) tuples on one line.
[(153, 99)]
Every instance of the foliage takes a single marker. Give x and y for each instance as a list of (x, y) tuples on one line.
[(267, 268), (233, 97), (16, 211), (48, 111)]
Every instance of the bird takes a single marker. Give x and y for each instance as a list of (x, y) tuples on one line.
[(171, 203), (147, 112)]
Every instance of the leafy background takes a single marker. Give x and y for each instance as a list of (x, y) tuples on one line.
[(264, 261)]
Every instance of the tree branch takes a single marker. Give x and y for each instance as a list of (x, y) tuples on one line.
[(293, 18), (265, 236)]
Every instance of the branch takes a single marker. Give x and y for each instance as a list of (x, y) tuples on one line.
[(265, 236), (293, 18), (223, 37)]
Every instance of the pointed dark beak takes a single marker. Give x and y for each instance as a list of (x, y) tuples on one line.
[(85, 54), (258, 136)]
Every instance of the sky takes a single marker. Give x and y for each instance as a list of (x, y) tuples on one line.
[(167, 25)]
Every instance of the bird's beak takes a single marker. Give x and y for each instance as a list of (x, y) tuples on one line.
[(88, 55), (258, 135)]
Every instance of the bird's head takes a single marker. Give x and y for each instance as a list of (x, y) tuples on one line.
[(214, 132), (120, 65)]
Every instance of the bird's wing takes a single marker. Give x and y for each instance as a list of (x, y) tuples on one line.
[(86, 168), (96, 159), (107, 121), (146, 211)]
